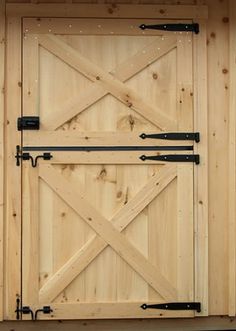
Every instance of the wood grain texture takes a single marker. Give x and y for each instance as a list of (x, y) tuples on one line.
[(201, 207), (232, 161), (107, 232), (2, 90), (105, 11), (218, 105), (107, 81), (13, 174), (179, 324), (96, 245), (123, 72)]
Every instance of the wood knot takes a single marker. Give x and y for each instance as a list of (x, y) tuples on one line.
[(213, 35), (162, 11), (225, 71), (102, 174), (110, 11), (97, 78), (225, 20), (154, 75), (131, 122)]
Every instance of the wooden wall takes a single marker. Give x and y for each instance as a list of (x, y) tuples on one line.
[(219, 70)]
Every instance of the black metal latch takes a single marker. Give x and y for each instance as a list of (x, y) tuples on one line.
[(28, 123), (24, 310), (27, 310), (194, 27), (26, 156), (174, 306)]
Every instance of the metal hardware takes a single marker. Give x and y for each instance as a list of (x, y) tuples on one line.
[(195, 136), (172, 27), (26, 156), (27, 310), (174, 306), (17, 311), (173, 158), (28, 123), (107, 148), (44, 310), (24, 310)]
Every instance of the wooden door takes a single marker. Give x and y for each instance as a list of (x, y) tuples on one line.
[(104, 231)]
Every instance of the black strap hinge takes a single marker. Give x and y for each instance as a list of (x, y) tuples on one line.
[(28, 123), (173, 158), (194, 136), (194, 27), (174, 306)]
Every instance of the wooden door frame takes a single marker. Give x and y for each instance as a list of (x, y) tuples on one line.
[(2, 82), (232, 164), (14, 16)]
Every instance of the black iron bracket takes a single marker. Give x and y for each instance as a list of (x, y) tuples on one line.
[(173, 158), (26, 156), (194, 136), (182, 27), (174, 306), (28, 123), (44, 310), (24, 310)]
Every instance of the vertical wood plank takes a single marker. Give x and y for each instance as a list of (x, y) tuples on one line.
[(185, 263), (13, 173), (30, 76), (30, 234), (218, 103), (2, 82), (201, 171), (232, 161)]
